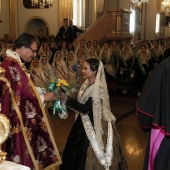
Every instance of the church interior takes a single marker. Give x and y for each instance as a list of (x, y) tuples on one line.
[(102, 20)]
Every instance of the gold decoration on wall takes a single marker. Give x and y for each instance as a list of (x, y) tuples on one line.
[(38, 3), (66, 9), (139, 2)]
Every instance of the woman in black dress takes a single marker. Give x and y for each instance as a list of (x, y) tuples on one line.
[(93, 143), (142, 68)]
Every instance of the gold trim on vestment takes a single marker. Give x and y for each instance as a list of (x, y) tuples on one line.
[(22, 124)]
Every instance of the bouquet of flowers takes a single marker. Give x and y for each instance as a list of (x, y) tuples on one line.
[(57, 87)]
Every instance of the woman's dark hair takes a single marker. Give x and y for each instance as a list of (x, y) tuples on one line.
[(24, 40), (156, 41), (143, 45), (94, 63)]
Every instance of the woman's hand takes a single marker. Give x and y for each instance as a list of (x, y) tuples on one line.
[(50, 96), (63, 96)]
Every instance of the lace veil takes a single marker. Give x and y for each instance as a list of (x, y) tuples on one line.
[(101, 103)]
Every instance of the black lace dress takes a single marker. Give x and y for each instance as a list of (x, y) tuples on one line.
[(75, 152), (78, 153)]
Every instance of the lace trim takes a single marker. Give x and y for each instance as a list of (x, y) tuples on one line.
[(105, 159)]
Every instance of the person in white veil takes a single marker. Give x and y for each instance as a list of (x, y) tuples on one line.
[(59, 67), (94, 142), (37, 74), (46, 67), (45, 50)]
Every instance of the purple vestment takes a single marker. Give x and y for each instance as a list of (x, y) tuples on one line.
[(31, 142)]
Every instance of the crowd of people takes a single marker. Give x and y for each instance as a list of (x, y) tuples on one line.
[(127, 65)]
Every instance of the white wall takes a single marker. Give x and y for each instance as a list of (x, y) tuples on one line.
[(23, 15), (50, 15)]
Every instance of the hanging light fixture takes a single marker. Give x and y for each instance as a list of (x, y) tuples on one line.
[(165, 6), (42, 3), (139, 2)]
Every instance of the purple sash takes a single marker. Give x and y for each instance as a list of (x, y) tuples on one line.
[(157, 136)]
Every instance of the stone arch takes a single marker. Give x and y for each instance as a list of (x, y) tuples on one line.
[(34, 24)]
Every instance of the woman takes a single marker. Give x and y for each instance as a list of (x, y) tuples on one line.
[(73, 70), (89, 45), (82, 46), (45, 50), (156, 53), (124, 68), (64, 50), (59, 67), (115, 52), (93, 132), (37, 74), (115, 48), (92, 53), (96, 46), (70, 47), (80, 60), (46, 67), (142, 68), (106, 57)]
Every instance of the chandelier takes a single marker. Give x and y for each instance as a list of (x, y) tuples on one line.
[(42, 3), (165, 6), (139, 2)]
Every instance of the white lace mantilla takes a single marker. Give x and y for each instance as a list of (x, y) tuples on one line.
[(101, 110)]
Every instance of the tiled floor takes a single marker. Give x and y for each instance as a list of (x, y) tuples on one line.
[(133, 138)]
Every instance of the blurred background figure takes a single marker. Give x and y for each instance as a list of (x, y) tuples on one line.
[(74, 30), (59, 67)]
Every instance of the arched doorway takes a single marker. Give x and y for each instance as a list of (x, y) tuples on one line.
[(34, 24)]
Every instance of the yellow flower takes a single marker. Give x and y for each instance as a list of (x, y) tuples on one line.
[(58, 84), (63, 82)]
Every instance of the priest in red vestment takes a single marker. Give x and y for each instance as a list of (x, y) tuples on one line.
[(31, 141)]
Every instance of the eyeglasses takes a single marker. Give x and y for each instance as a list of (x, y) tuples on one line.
[(34, 51)]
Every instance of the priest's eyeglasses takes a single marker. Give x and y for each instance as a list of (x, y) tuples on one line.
[(34, 51)]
